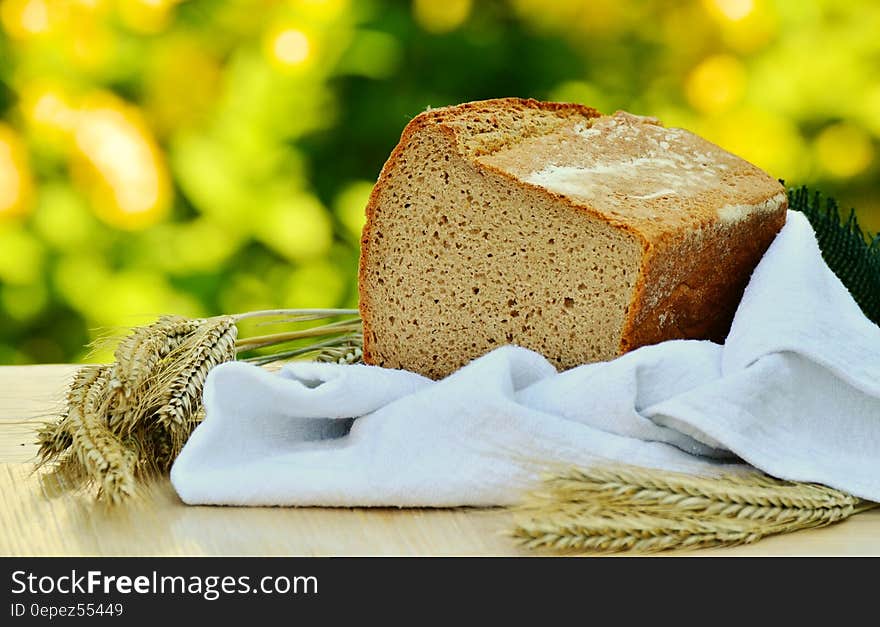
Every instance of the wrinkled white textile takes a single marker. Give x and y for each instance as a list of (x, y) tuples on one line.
[(794, 391)]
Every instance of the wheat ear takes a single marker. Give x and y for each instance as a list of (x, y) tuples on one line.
[(622, 508), (212, 344), (131, 418), (138, 354), (53, 438), (678, 491), (139, 361), (102, 455)]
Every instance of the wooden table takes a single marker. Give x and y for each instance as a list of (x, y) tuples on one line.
[(34, 521)]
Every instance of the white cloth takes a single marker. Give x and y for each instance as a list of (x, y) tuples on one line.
[(794, 391)]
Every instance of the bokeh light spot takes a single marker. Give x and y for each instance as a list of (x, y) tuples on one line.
[(291, 47), (113, 299), (23, 302), (297, 227), (171, 246), (770, 141), (123, 170), (51, 110), (318, 284), (35, 17), (441, 16), (63, 221), (843, 150), (733, 10), (351, 204), (16, 187), (24, 18), (323, 10), (181, 84), (147, 16), (245, 292), (716, 84), (21, 256)]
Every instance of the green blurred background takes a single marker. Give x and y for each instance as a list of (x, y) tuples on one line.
[(202, 156)]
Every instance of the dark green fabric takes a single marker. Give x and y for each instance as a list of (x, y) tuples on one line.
[(852, 255)]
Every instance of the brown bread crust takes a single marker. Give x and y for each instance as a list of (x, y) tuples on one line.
[(708, 284), (688, 285), (436, 117)]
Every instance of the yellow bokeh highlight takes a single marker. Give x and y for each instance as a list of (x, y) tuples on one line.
[(297, 227), (733, 10), (843, 150), (600, 18), (23, 302), (79, 277), (182, 82), (92, 45), (116, 160), (136, 297), (21, 256), (770, 141), (716, 84), (319, 285), (200, 245), (868, 111), (321, 10), (350, 206), (16, 185), (49, 112), (147, 16), (372, 54), (291, 46), (63, 221), (50, 109), (246, 292), (441, 16), (753, 32), (120, 166), (118, 299), (25, 18)]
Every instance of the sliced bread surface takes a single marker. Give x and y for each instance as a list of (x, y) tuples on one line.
[(551, 226)]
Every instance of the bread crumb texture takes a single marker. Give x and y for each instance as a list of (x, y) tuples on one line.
[(550, 226)]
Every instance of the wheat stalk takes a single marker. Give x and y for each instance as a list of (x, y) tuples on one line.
[(339, 349), (341, 327), (130, 419), (612, 509)]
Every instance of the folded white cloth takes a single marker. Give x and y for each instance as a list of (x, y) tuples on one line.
[(794, 391)]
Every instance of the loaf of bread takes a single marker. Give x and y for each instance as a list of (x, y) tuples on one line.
[(551, 226)]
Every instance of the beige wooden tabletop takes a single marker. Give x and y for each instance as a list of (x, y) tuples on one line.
[(34, 521)]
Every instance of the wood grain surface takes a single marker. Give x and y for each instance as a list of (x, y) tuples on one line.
[(36, 519)]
